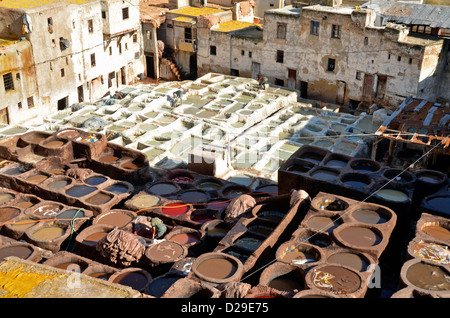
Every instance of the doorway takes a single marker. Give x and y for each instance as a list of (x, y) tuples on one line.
[(292, 75), (63, 103), (256, 69), (150, 62), (303, 89)]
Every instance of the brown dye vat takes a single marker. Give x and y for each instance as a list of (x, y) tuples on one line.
[(353, 260), (37, 178), (426, 276), (94, 238), (99, 199), (54, 144), (24, 204), (438, 232), (21, 251), (216, 267), (131, 166), (360, 236), (283, 277), (71, 266), (8, 213), (59, 183), (5, 197), (68, 134), (329, 203), (322, 223), (369, 216), (337, 279), (288, 282), (137, 279), (185, 238), (21, 225), (49, 233), (430, 252), (47, 210), (108, 159), (57, 171), (119, 219), (292, 252), (165, 252)]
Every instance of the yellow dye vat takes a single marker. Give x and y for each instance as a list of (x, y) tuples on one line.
[(18, 284), (195, 12)]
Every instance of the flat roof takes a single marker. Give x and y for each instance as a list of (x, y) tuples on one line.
[(196, 12), (25, 4), (233, 26)]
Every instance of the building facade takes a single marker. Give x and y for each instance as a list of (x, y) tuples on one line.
[(80, 50), (330, 53)]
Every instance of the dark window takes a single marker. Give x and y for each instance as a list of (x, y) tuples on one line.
[(90, 26), (125, 14), (366, 40), (279, 82), (93, 59), (188, 34), (234, 72), (336, 31), (212, 50), (50, 25), (30, 102), (62, 73), (242, 52), (315, 27), (8, 82), (135, 38), (358, 75), (389, 56), (103, 14), (249, 54), (281, 31), (110, 50), (280, 56), (19, 105), (410, 60), (399, 58), (331, 65)]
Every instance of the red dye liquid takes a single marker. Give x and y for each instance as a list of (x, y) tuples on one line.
[(181, 179), (175, 209)]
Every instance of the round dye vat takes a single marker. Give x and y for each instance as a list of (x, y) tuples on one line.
[(47, 210), (289, 282), (360, 236), (130, 166), (439, 203), (202, 217), (8, 213), (369, 216), (115, 219), (365, 166), (209, 185), (49, 233), (233, 192), (326, 175), (185, 238), (71, 214), (322, 223), (336, 279), (102, 276), (352, 260), (160, 285), (218, 205), (193, 197), (398, 176), (108, 159), (94, 238), (217, 268), (268, 189), (272, 216), (57, 171), (165, 252), (174, 209), (37, 178), (297, 168), (22, 225), (99, 199), (429, 277), (58, 184), (16, 170), (299, 256), (434, 252), (312, 157), (5, 197), (438, 232), (430, 177), (80, 191), (181, 179), (393, 195), (69, 134), (356, 181), (136, 280), (18, 251), (24, 204), (145, 201), (335, 163), (163, 188), (332, 204), (71, 266), (54, 144), (117, 188), (93, 181)]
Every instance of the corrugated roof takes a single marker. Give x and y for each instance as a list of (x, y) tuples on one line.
[(419, 121), (410, 13)]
